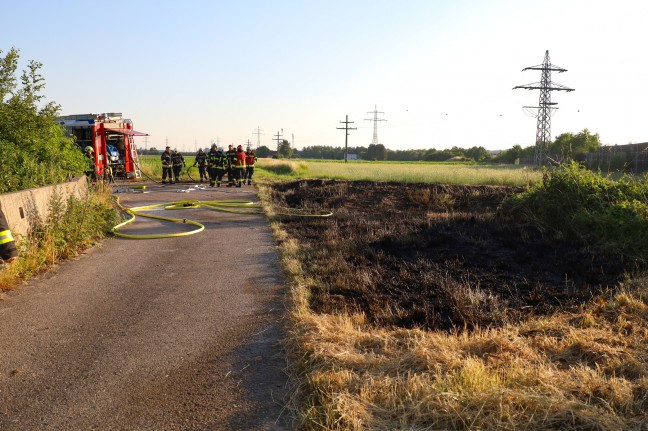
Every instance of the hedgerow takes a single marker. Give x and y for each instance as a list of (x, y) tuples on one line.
[(572, 203)]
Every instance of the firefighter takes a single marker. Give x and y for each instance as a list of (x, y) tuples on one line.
[(167, 165), (89, 153), (231, 162), (201, 161), (239, 166), (8, 250), (178, 162), (250, 160), (216, 162)]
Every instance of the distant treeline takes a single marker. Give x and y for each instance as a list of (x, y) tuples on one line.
[(565, 146), (380, 152)]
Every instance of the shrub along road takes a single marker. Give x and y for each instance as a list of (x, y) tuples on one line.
[(164, 334)]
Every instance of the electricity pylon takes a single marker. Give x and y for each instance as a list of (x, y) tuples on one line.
[(546, 86), (258, 132), (375, 120)]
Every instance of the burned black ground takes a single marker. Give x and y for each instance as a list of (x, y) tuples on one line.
[(433, 256)]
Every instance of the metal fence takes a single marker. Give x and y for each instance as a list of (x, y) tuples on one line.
[(626, 158)]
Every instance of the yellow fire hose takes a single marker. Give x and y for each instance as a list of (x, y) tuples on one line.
[(231, 206)]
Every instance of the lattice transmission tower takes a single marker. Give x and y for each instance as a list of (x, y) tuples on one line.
[(545, 106), (375, 120)]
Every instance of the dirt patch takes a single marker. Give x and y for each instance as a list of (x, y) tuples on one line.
[(432, 256)]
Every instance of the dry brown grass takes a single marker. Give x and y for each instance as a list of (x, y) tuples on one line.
[(579, 370)]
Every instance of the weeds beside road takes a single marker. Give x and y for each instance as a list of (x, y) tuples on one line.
[(73, 225)]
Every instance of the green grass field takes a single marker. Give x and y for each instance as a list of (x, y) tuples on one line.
[(409, 172)]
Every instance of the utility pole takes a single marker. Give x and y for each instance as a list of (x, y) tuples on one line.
[(258, 133), (545, 106), (375, 120), (248, 144), (278, 137), (346, 128)]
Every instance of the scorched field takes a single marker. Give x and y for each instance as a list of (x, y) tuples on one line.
[(421, 306)]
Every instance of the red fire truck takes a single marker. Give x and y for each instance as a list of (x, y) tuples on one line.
[(111, 138)]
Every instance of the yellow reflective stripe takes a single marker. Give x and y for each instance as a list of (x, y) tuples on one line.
[(5, 237)]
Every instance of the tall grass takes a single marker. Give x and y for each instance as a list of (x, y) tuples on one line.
[(414, 172), (408, 172), (73, 225)]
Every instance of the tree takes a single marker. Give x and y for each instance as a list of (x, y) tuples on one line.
[(514, 153), (478, 154), (263, 151), (285, 152), (570, 145), (34, 147), (376, 152)]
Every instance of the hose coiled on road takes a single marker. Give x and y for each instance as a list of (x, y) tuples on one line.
[(231, 206)]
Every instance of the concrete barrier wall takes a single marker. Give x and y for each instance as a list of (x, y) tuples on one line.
[(30, 207)]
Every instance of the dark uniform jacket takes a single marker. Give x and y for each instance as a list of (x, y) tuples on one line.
[(216, 159), (178, 159), (166, 159), (201, 159)]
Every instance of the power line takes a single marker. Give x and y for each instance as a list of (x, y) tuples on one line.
[(375, 120), (545, 106), (346, 128)]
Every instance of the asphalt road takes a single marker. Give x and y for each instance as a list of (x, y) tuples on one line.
[(163, 334)]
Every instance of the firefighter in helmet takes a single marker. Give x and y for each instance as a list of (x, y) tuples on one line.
[(167, 165), (231, 162), (216, 163), (178, 162), (8, 250), (89, 153), (250, 160), (201, 161), (239, 166)]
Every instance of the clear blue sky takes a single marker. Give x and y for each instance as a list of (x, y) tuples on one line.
[(441, 71)]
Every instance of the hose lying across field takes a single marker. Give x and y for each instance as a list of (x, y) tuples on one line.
[(231, 206)]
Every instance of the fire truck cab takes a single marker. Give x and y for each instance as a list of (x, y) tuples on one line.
[(111, 138)]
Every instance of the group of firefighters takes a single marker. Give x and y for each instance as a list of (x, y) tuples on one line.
[(212, 166), (236, 163)]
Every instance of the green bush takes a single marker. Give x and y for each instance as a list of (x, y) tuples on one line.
[(575, 204), (35, 151)]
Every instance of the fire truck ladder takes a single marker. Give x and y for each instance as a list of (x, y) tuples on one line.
[(135, 158)]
